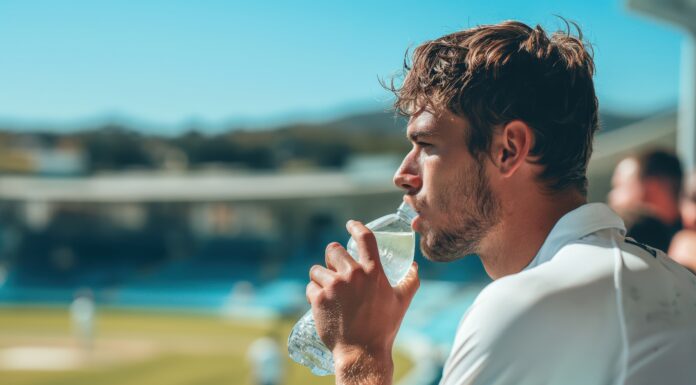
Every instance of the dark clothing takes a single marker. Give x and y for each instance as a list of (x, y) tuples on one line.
[(652, 232)]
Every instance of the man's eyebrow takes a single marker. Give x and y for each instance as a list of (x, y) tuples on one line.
[(416, 134)]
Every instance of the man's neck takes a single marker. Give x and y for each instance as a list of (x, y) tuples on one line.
[(525, 225)]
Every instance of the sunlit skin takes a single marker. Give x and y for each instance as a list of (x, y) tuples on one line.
[(688, 212), (682, 249), (626, 190), (357, 312), (447, 187), (688, 203)]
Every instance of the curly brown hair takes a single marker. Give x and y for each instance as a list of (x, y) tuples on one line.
[(494, 74)]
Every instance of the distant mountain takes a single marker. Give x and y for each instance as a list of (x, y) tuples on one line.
[(326, 145), (387, 122), (379, 121)]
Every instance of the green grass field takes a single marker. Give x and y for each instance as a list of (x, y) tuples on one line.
[(139, 348)]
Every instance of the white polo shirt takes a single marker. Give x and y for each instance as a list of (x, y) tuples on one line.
[(593, 307)]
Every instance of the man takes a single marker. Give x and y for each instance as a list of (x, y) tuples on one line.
[(646, 192), (501, 118)]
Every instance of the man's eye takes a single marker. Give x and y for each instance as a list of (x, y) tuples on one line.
[(424, 145)]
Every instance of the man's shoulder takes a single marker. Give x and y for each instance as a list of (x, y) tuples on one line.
[(578, 266), (575, 286), (530, 319)]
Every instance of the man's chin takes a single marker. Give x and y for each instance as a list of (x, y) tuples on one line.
[(438, 248), (435, 254)]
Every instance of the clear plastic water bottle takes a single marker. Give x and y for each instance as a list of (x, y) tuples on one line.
[(396, 243)]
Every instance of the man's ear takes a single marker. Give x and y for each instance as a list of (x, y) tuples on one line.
[(511, 147)]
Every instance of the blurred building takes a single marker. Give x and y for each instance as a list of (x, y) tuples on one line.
[(127, 234), (31, 155), (128, 230)]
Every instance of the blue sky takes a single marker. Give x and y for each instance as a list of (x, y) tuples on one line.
[(172, 63)]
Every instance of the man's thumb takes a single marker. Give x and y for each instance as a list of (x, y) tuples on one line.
[(409, 285)]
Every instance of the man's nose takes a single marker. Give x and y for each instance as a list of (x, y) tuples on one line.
[(407, 176)]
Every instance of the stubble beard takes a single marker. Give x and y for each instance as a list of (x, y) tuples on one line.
[(473, 209)]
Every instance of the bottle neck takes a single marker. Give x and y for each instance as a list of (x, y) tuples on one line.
[(406, 213)]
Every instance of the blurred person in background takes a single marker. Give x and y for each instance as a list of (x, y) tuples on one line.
[(688, 203), (266, 359), (82, 314), (646, 193), (683, 246), (501, 120)]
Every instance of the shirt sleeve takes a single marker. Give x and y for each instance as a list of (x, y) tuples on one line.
[(482, 352)]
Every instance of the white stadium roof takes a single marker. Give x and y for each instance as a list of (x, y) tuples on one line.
[(192, 187)]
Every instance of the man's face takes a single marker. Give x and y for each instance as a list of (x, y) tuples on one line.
[(447, 186), (627, 191)]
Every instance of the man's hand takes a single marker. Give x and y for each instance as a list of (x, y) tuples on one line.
[(356, 311)]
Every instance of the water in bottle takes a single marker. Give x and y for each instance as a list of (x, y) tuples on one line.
[(396, 242)]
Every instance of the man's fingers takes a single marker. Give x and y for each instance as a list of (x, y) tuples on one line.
[(408, 286), (338, 259), (321, 275), (312, 291), (366, 242)]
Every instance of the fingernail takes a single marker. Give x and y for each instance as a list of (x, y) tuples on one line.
[(349, 223)]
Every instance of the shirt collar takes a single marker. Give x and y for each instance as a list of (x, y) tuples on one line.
[(576, 224)]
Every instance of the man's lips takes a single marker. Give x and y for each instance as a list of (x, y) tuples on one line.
[(417, 220), (415, 223)]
